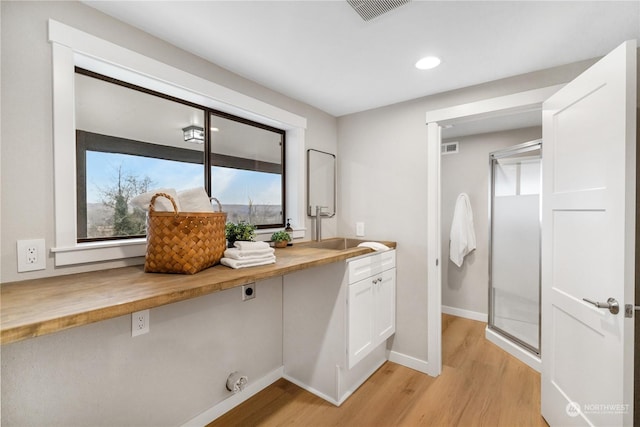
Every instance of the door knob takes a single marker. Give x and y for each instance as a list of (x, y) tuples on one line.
[(611, 304)]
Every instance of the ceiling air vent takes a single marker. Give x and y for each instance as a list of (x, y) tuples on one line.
[(369, 9), (449, 148)]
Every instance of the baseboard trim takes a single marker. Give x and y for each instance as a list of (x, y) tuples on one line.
[(311, 390), (467, 314), (361, 380), (234, 400), (411, 363)]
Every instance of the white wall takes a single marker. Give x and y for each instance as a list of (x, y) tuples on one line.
[(382, 176), (97, 374), (466, 287)]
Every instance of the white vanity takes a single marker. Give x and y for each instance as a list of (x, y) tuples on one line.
[(336, 321)]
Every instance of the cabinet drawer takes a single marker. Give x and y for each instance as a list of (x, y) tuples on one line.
[(364, 267)]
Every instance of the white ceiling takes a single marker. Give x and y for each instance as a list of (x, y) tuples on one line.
[(324, 54)]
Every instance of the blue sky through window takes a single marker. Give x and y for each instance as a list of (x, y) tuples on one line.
[(230, 186)]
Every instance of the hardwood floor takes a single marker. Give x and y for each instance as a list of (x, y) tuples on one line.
[(480, 385)]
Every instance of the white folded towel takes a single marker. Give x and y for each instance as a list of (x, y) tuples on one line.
[(195, 200), (191, 200), (236, 253), (376, 246), (250, 246), (162, 204), (241, 263)]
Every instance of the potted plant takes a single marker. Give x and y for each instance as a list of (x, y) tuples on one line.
[(280, 239), (241, 231)]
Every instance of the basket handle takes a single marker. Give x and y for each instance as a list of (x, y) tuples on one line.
[(165, 195), (218, 202)]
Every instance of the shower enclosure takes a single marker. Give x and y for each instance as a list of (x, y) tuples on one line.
[(514, 244)]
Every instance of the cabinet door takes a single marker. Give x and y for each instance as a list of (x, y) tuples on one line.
[(384, 298), (360, 327)]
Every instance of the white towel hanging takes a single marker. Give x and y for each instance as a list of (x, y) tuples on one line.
[(463, 235)]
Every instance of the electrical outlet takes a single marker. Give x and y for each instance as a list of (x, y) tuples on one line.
[(248, 291), (139, 323), (359, 229), (31, 255)]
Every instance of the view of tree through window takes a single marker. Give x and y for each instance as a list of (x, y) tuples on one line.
[(130, 141), (114, 179)]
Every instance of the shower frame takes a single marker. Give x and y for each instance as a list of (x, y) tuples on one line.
[(493, 157)]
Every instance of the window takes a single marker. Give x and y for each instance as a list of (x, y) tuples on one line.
[(130, 140), (517, 177), (247, 169), (72, 48)]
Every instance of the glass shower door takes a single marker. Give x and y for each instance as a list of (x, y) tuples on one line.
[(514, 262)]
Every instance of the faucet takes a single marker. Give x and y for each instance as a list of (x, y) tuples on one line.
[(319, 215)]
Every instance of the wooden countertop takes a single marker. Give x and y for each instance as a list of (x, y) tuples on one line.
[(37, 307)]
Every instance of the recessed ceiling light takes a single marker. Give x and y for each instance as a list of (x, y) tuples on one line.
[(428, 63)]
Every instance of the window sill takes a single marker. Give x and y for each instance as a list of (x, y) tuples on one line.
[(83, 253), (265, 234)]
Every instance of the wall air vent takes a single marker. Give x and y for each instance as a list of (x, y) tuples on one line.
[(449, 148), (369, 9)]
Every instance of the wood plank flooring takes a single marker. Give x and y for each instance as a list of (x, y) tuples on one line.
[(480, 385)]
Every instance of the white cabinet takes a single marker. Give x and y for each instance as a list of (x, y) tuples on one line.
[(371, 304), (331, 311)]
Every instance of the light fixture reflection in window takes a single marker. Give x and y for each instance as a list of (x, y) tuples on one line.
[(194, 134)]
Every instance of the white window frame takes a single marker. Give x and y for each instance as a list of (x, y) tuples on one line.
[(71, 48)]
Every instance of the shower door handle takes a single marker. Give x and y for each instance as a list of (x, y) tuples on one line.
[(611, 304)]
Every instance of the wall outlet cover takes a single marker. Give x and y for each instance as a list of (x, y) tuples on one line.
[(31, 255), (139, 323)]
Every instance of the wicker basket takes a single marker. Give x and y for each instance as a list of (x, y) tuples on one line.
[(183, 242)]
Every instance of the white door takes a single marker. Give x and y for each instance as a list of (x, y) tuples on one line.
[(588, 231)]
